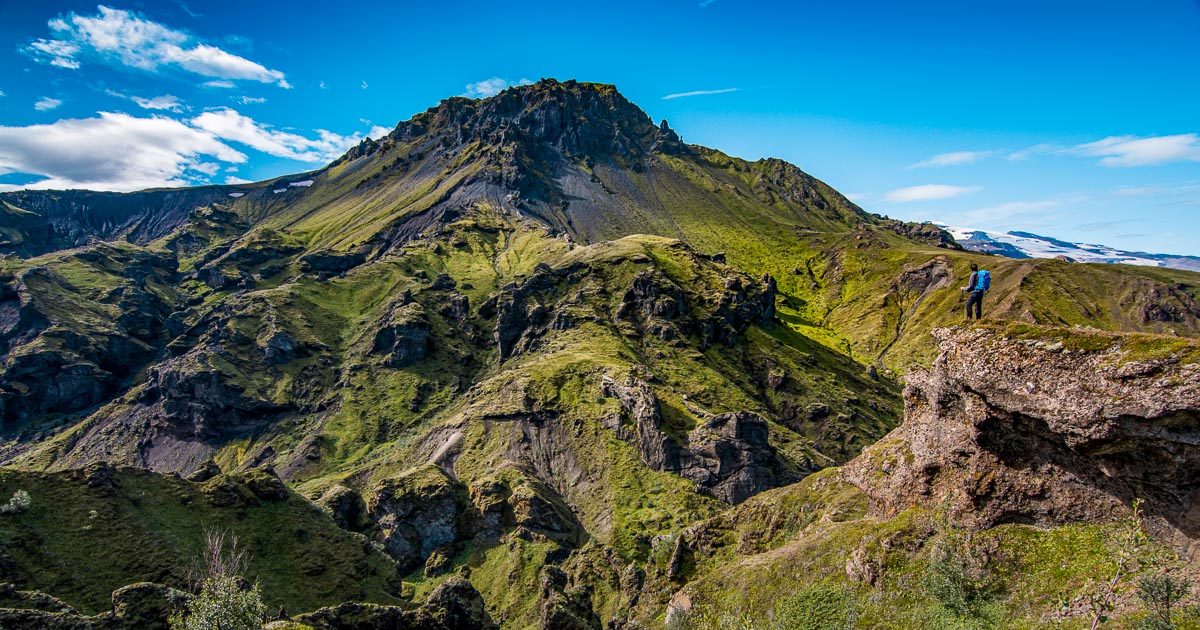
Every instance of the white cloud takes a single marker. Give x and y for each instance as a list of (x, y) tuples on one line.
[(228, 124), (1037, 149), (699, 93), (953, 159), (251, 100), (119, 36), (928, 192), (46, 104), (2, 93), (321, 85), (1012, 208), (55, 52), (236, 180), (113, 151), (225, 85), (1135, 151), (378, 132), (1137, 191), (165, 102), (491, 87), (857, 196), (364, 85)]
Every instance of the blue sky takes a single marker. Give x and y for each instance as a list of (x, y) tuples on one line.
[(1078, 120)]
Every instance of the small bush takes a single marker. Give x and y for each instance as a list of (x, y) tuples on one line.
[(224, 602), (1161, 594), (19, 502), (958, 576)]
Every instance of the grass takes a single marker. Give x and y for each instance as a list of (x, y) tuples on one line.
[(81, 542)]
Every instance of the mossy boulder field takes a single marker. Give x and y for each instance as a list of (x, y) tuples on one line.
[(531, 361)]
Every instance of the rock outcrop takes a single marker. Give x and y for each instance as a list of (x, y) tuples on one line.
[(728, 456), (1031, 425), (418, 513)]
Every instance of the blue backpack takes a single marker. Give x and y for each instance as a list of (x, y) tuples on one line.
[(983, 280)]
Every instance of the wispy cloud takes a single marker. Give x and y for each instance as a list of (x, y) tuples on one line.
[(1023, 214), (928, 192), (117, 36), (1012, 208), (1135, 151), (705, 3), (2, 94), (956, 158), (1035, 150), (699, 93), (857, 196), (251, 100), (364, 85), (1097, 226), (166, 102), (225, 85), (46, 104), (230, 179), (1137, 191), (492, 87)]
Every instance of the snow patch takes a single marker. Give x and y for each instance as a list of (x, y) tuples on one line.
[(236, 195), (280, 190), (306, 183)]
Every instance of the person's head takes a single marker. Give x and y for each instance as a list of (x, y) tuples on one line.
[(974, 267)]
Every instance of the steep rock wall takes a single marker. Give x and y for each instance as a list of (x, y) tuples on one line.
[(1036, 425)]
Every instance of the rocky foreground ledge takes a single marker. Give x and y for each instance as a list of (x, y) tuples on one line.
[(1023, 424)]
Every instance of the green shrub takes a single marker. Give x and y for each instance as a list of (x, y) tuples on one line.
[(957, 576), (224, 603), (1161, 594)]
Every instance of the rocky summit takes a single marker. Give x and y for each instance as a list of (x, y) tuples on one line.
[(533, 361)]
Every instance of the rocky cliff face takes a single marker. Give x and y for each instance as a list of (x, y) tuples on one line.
[(1019, 424)]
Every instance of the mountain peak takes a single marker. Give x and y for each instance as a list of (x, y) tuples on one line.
[(579, 120)]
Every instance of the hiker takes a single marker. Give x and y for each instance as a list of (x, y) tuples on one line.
[(977, 285)]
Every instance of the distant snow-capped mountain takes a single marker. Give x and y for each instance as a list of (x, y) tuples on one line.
[(1028, 245)]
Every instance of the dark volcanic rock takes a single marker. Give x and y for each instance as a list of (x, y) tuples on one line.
[(563, 605), (417, 513), (404, 336), (62, 219), (348, 508), (456, 605), (729, 456), (330, 263)]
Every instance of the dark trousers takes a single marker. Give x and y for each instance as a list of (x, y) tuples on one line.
[(975, 299)]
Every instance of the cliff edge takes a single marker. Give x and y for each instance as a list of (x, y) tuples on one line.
[(1023, 424)]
